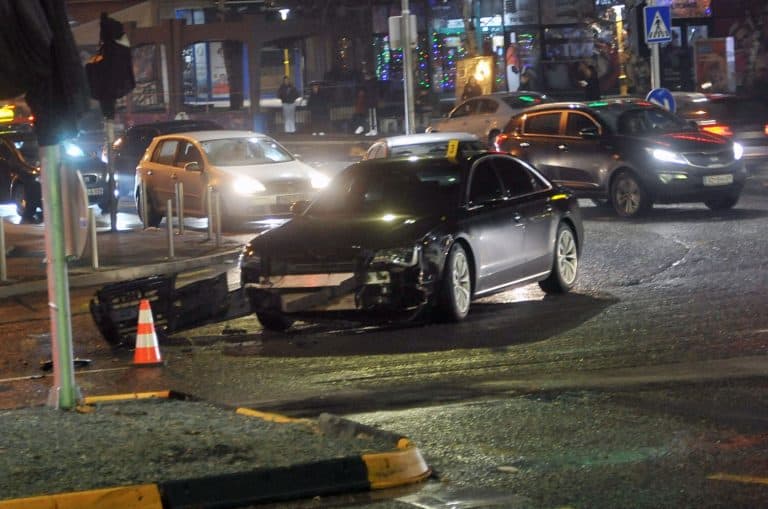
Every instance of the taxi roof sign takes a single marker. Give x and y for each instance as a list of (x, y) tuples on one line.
[(452, 149)]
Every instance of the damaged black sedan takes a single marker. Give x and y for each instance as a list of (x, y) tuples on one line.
[(399, 238)]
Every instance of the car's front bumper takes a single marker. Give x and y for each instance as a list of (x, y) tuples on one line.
[(688, 184)]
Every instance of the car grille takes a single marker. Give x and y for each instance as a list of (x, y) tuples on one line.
[(350, 260), (710, 159), (91, 179), (288, 186)]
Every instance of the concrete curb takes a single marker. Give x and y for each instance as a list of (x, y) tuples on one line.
[(122, 273), (402, 465)]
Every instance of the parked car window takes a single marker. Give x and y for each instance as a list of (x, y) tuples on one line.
[(516, 177), (576, 122), (165, 152), (485, 184), (189, 154), (545, 123), (463, 110), (487, 106)]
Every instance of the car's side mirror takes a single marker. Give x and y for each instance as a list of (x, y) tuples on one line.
[(298, 207), (589, 133), (192, 166)]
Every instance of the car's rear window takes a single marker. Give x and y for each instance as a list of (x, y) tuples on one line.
[(436, 149)]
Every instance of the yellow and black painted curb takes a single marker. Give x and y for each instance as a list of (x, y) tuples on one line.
[(401, 465)]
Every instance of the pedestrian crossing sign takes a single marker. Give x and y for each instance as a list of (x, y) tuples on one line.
[(658, 23)]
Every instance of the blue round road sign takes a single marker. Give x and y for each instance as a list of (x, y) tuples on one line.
[(662, 97)]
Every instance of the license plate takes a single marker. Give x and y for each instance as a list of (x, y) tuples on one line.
[(95, 191), (718, 180)]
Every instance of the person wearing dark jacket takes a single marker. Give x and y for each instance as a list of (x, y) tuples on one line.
[(589, 81), (288, 94), (319, 110)]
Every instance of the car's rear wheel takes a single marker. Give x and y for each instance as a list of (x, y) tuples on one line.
[(153, 216), (628, 197), (274, 320), (724, 203), (565, 263), (456, 289)]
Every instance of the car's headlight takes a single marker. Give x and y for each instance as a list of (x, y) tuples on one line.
[(738, 151), (73, 150), (668, 156), (402, 256), (247, 185), (319, 180)]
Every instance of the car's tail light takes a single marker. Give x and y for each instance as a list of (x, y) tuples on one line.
[(765, 129), (721, 129), (500, 138)]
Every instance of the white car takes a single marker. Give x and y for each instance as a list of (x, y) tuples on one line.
[(255, 176), (424, 144), (486, 115)]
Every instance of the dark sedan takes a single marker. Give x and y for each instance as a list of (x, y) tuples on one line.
[(631, 153), (399, 237)]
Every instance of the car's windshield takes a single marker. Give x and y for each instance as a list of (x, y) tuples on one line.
[(436, 148), (647, 121), (404, 188), (244, 151)]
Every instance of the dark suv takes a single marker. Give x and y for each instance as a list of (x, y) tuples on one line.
[(630, 153), (128, 149), (20, 173)]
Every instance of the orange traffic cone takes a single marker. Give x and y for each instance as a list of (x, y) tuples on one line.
[(147, 349)]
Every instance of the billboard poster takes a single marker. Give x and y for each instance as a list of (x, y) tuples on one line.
[(219, 79), (521, 12), (566, 11), (688, 8), (715, 65)]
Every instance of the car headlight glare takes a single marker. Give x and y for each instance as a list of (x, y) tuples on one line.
[(73, 150), (401, 256), (247, 186), (738, 151), (667, 156), (319, 180)]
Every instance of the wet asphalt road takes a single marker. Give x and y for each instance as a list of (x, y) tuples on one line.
[(645, 387)]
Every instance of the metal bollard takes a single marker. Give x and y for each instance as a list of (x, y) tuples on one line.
[(169, 222), (3, 266), (218, 218), (143, 202), (94, 239), (179, 187), (209, 206)]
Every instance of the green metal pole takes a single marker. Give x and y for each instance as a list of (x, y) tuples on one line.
[(64, 394)]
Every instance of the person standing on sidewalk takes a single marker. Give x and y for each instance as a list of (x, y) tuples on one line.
[(319, 110), (288, 94)]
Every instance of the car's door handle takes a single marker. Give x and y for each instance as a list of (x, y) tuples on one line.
[(518, 219), (524, 144), (562, 146), (149, 172), (174, 177)]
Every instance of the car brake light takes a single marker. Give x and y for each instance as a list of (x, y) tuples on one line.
[(765, 129), (721, 129)]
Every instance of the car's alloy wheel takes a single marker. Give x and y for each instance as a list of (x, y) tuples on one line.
[(274, 320), (724, 203), (565, 266), (628, 197), (457, 285)]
